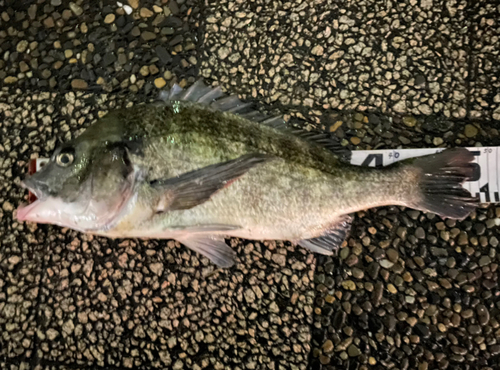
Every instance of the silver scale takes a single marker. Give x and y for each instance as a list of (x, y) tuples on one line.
[(485, 183)]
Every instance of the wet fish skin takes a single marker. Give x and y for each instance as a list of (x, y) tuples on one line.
[(186, 171)]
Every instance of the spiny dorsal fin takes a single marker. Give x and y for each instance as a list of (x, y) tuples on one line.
[(216, 99)]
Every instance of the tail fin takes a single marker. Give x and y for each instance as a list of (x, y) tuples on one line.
[(440, 183)]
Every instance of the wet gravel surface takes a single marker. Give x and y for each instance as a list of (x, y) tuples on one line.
[(406, 291)]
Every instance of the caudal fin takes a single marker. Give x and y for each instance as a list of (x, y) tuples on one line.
[(440, 183)]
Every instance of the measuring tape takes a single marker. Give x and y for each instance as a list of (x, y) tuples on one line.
[(485, 183)]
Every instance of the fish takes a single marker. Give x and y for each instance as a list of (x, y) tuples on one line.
[(199, 166)]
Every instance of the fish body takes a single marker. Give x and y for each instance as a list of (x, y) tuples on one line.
[(197, 169)]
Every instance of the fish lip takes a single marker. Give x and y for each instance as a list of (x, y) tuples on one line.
[(29, 185), (23, 211)]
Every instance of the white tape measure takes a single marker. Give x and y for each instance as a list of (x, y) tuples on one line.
[(485, 183)]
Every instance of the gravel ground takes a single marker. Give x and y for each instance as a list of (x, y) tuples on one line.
[(485, 71), (407, 290)]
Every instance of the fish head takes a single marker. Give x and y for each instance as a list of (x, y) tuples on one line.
[(86, 186)]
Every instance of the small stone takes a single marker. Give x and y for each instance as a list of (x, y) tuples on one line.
[(76, 9), (353, 351), (392, 255), (156, 268), (483, 315), (52, 334), (14, 260), (357, 273), (386, 264), (409, 121), (148, 36), (108, 59), (223, 52), (355, 140), (22, 46), (422, 330), (328, 346), (470, 130), (317, 50), (335, 126), (48, 22), (279, 259), (134, 4), (78, 84), (144, 71), (7, 206), (474, 329), (349, 285), (110, 18), (484, 261), (163, 54), (351, 260), (10, 80), (323, 359), (153, 69), (249, 295), (437, 141), (419, 80), (392, 289), (420, 233), (459, 350), (146, 13)]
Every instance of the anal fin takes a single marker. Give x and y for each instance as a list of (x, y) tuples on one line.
[(331, 241), (211, 246)]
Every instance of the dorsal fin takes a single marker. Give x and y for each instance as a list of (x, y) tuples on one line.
[(216, 99)]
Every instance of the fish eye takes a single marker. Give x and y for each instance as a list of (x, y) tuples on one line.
[(65, 159)]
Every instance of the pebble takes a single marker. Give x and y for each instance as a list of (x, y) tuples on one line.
[(317, 50), (409, 121), (148, 36), (110, 18), (22, 46), (328, 346), (156, 268), (392, 255), (386, 264), (160, 82), (353, 351), (134, 4), (10, 80), (76, 9), (470, 130), (78, 84), (146, 13)]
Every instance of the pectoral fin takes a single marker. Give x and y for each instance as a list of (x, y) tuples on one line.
[(211, 246), (331, 240), (196, 187)]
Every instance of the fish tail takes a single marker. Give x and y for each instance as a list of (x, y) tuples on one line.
[(439, 183)]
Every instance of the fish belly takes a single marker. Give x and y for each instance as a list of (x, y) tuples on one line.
[(276, 201)]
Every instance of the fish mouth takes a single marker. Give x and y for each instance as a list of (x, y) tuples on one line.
[(34, 188), (25, 212)]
